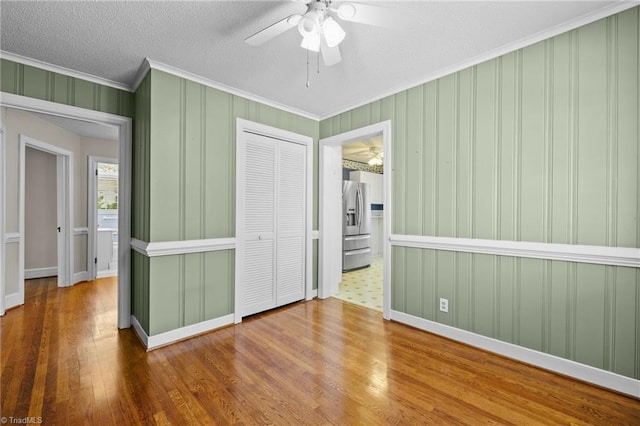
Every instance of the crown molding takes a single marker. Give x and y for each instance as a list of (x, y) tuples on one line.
[(150, 64), (64, 71), (492, 54)]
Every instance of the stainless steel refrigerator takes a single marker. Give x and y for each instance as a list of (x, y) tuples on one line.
[(356, 225)]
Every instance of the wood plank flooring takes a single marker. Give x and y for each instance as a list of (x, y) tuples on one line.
[(320, 362)]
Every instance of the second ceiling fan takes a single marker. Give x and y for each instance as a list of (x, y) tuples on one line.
[(319, 31)]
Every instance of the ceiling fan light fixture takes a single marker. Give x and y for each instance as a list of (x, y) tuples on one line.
[(311, 42), (346, 11), (309, 24), (333, 32)]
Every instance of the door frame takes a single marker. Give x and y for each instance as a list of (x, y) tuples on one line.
[(330, 206), (245, 126), (2, 203), (92, 211), (124, 125), (64, 209)]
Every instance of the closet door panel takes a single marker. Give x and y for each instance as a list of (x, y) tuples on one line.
[(258, 215), (290, 240)]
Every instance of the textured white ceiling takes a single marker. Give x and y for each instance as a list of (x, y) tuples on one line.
[(111, 39)]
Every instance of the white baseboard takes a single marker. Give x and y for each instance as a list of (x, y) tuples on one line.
[(40, 272), (80, 276), (12, 300), (107, 273), (173, 336), (567, 367)]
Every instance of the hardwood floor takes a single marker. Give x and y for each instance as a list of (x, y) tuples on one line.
[(320, 362)]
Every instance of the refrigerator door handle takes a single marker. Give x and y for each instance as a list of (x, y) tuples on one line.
[(359, 207)]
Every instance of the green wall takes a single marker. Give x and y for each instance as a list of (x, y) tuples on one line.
[(537, 145), (184, 161), (25, 80)]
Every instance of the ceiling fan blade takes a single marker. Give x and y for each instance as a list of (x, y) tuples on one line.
[(365, 14), (330, 55), (272, 31)]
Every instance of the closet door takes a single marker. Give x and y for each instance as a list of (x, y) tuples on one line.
[(271, 237), (258, 215), (290, 235)]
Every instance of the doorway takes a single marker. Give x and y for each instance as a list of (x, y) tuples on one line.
[(40, 214), (330, 177), (102, 208), (63, 201), (362, 165), (123, 127)]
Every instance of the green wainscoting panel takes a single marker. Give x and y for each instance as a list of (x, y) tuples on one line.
[(166, 294), (25, 80), (540, 144), (190, 288), (140, 289), (583, 312)]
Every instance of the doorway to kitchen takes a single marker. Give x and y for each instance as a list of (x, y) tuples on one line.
[(330, 216), (362, 266)]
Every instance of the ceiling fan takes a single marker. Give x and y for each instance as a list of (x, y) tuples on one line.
[(319, 30), (373, 153)]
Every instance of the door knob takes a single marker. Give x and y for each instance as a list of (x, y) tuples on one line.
[(58, 229)]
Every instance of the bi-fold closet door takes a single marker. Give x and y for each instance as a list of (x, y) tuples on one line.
[(272, 222)]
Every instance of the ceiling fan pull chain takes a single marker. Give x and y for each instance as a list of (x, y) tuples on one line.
[(308, 83)]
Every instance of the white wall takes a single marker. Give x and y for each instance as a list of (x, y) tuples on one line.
[(20, 122)]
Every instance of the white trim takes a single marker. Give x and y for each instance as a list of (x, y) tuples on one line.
[(40, 272), (80, 277), (170, 248), (242, 128), (604, 12), (12, 300), (315, 234), (124, 125), (2, 213), (139, 331), (64, 71), (182, 333), (564, 366), (106, 273), (80, 231), (602, 255), (152, 64), (12, 237), (329, 221), (144, 69)]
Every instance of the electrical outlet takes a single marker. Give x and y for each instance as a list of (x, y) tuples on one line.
[(444, 305)]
